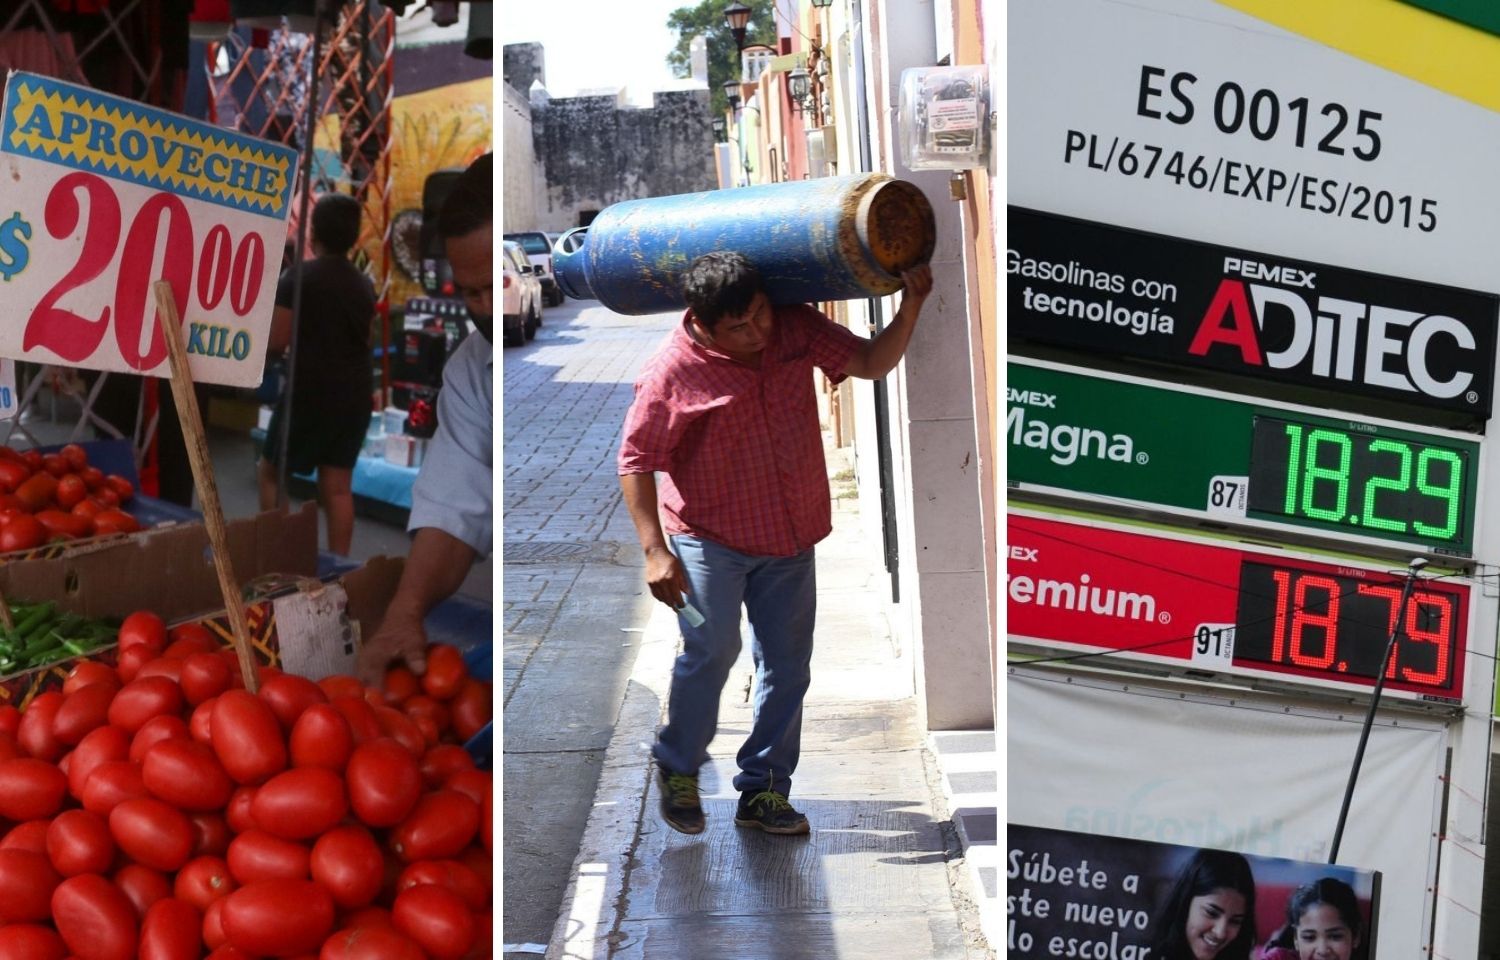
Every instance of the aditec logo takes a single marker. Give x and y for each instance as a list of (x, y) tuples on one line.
[(1333, 338)]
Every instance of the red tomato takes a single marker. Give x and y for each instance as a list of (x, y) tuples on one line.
[(300, 803), (143, 628), (238, 812), (92, 476), (76, 457), (446, 672), (107, 498), (55, 465), (399, 727), (401, 683), (31, 941), (172, 930), (211, 834), (204, 676), (87, 507), (8, 747), (226, 952), (187, 775), (201, 723), (194, 632), (114, 520), (247, 737), (30, 789), (96, 920), (61, 523), (423, 705), (213, 927), (71, 491), (190, 644), (142, 886), (12, 474), (440, 826), (321, 738), (152, 833), (111, 783), (341, 685), (10, 716), (35, 731), (437, 919), (278, 917), (22, 533), (348, 864), (83, 710), (256, 855), (203, 881), (27, 881), (361, 716), (288, 695), (162, 667), (472, 708), (103, 745), (128, 663), (36, 491), (80, 842), (30, 836), (449, 874), (144, 698), (87, 672), (473, 783), (369, 943), (443, 761), (384, 783), (154, 731), (32, 458), (122, 487)]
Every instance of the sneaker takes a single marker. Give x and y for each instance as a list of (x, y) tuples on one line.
[(679, 800), (769, 811)]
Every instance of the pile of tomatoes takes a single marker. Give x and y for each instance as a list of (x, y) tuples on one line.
[(156, 809), (52, 496)]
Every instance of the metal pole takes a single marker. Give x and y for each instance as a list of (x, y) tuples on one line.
[(282, 473), (1364, 734)]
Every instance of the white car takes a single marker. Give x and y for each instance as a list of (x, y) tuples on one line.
[(520, 295), (539, 251)]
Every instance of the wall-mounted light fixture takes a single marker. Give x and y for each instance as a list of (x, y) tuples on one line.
[(732, 92), (719, 130), (799, 85)]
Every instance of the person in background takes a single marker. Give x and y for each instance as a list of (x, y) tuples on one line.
[(1323, 922), (1210, 912), (726, 412), (452, 506), (331, 383)]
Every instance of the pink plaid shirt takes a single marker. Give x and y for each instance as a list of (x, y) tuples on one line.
[(740, 447)]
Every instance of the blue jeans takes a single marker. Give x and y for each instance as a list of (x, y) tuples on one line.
[(780, 598)]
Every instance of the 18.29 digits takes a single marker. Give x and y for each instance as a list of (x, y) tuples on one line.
[(225, 270)]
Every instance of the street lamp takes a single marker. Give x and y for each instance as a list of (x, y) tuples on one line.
[(799, 85), (737, 17), (822, 4), (732, 93), (719, 135)]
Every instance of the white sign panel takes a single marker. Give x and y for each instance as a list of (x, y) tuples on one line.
[(1250, 776), (100, 197), (1191, 128)]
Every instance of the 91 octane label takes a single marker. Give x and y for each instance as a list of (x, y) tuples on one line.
[(1213, 645)]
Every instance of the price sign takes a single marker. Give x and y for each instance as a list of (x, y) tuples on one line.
[(1132, 443), (100, 197), (1219, 608)]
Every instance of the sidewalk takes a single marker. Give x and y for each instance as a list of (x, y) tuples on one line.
[(881, 875)]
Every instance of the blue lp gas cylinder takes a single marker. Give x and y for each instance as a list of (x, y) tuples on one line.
[(834, 238)]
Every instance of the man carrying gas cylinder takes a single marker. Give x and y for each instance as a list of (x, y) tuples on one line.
[(726, 412)]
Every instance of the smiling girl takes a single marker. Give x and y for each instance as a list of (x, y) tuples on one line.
[(1323, 922), (1210, 912)]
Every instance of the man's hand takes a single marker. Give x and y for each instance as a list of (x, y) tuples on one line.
[(400, 637), (665, 577), (916, 285)]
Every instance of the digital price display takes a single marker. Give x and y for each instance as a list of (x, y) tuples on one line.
[(1314, 473), (1317, 622), (1130, 443), (1219, 610)]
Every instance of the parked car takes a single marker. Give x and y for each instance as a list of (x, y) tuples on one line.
[(521, 295), (539, 252)]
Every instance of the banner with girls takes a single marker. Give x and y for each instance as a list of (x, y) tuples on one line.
[(1109, 898)]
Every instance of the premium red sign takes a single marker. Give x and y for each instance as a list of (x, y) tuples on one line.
[(1228, 610)]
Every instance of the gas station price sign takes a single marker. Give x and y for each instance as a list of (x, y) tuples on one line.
[(1221, 610), (1150, 445)]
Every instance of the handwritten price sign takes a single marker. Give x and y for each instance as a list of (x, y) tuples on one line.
[(101, 196)]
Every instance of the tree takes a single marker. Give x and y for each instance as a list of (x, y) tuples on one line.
[(707, 19)]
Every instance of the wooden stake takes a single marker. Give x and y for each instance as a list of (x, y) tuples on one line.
[(203, 477), (5, 613)]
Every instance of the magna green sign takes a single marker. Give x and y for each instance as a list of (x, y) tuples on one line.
[(1113, 441)]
